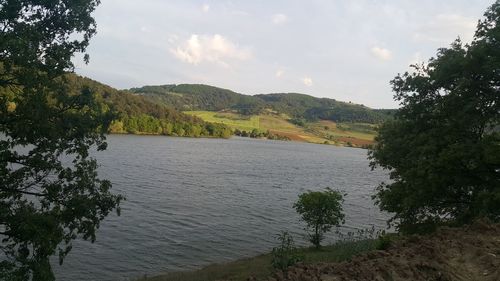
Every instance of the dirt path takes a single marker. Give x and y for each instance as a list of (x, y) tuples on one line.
[(469, 253)]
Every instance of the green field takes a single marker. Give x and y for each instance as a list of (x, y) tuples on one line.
[(233, 120), (352, 134)]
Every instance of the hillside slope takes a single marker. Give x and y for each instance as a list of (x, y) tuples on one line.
[(198, 97), (136, 114), (321, 131)]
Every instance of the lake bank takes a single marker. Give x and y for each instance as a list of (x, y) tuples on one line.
[(281, 137), (259, 267)]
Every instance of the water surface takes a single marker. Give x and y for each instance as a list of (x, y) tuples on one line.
[(192, 202)]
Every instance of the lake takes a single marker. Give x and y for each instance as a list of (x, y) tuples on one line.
[(192, 202)]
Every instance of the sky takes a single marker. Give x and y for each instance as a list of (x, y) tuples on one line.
[(347, 50)]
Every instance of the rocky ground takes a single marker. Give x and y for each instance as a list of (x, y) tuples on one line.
[(467, 253)]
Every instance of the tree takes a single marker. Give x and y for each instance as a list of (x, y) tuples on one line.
[(50, 192), (321, 210), (443, 147)]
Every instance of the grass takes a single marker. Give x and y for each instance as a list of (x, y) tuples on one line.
[(260, 266), (233, 120), (355, 134)]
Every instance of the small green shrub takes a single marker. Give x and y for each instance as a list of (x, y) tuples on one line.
[(301, 122), (363, 240), (383, 242), (286, 254)]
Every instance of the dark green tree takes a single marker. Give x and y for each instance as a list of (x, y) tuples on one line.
[(50, 193), (320, 210), (443, 147)]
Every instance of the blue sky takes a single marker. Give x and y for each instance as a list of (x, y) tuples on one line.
[(347, 50)]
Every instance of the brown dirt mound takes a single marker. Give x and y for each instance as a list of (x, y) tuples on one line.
[(468, 253)]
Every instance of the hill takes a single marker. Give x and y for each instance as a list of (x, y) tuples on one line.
[(279, 126), (198, 97), (156, 110), (138, 115), (292, 116)]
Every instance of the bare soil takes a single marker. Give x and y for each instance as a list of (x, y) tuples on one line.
[(467, 253), (291, 136), (355, 141)]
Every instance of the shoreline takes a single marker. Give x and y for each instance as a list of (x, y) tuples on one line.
[(392, 256), (233, 136), (259, 266)]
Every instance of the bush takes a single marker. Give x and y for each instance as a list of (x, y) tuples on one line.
[(321, 210), (285, 255), (301, 122), (383, 242)]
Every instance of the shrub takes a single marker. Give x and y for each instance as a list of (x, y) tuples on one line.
[(383, 242), (285, 255)]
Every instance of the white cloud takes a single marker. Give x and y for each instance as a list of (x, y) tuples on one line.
[(307, 81), (210, 48), (279, 19), (205, 8), (444, 28), (279, 73), (381, 53)]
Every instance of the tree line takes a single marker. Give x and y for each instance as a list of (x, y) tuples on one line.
[(257, 134)]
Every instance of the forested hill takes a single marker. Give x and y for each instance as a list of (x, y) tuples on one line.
[(185, 97), (136, 114)]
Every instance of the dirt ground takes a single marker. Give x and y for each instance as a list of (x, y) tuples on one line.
[(468, 253)]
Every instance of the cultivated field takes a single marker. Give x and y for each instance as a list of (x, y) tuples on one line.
[(325, 132)]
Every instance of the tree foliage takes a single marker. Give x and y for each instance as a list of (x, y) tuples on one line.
[(50, 192), (320, 210), (200, 97), (443, 147)]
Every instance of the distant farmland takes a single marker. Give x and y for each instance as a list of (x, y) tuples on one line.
[(327, 132)]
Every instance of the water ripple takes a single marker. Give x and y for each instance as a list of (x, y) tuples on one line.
[(192, 202)]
